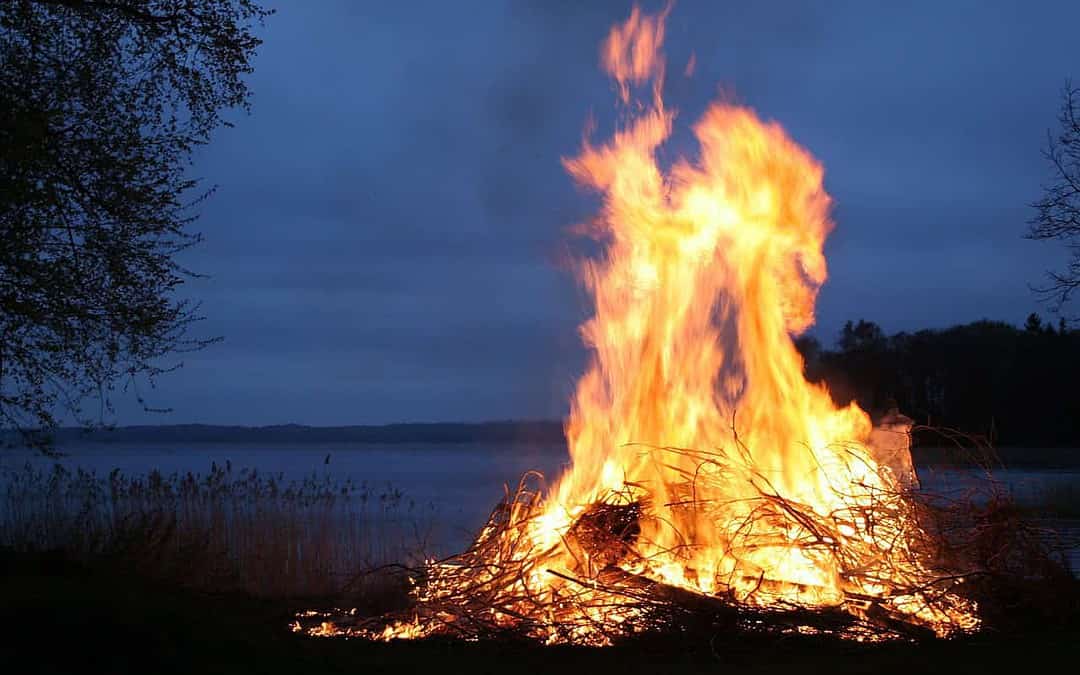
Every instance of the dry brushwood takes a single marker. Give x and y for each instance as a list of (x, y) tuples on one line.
[(945, 551)]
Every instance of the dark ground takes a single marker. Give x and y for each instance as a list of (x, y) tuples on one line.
[(63, 617)]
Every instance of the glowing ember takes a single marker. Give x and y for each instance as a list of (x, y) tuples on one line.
[(707, 472)]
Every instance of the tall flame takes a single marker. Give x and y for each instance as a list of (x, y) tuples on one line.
[(710, 269), (738, 479)]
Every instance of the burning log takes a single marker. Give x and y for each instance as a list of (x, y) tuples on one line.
[(606, 533), (608, 593), (487, 591)]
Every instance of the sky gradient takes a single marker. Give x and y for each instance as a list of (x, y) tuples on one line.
[(390, 237)]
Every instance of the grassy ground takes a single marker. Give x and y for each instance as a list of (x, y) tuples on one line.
[(64, 617)]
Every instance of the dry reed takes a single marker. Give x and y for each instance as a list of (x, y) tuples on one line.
[(222, 531)]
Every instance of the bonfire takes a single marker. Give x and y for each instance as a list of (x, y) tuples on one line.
[(708, 477)]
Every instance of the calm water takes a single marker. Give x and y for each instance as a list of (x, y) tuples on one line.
[(461, 482)]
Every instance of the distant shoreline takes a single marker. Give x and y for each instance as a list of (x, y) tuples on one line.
[(529, 431), (518, 432)]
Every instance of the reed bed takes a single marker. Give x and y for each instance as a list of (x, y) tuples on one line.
[(225, 530)]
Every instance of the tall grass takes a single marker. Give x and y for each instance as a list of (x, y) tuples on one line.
[(222, 531)]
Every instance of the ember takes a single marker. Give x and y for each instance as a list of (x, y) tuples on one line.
[(708, 477)]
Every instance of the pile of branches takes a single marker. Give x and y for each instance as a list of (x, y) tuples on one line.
[(960, 554)]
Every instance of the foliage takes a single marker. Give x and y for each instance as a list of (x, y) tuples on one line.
[(1014, 386), (1058, 211), (102, 103)]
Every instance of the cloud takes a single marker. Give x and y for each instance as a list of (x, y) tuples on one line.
[(388, 240)]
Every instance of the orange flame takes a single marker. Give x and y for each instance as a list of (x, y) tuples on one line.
[(709, 271), (711, 268), (749, 483)]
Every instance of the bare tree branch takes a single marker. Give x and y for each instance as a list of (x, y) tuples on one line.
[(1058, 211)]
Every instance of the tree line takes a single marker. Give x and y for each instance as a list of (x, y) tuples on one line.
[(1015, 386)]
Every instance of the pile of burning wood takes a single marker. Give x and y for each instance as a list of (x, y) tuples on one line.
[(711, 485), (606, 595), (506, 586)]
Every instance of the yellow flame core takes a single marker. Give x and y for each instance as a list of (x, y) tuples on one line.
[(710, 269), (752, 484)]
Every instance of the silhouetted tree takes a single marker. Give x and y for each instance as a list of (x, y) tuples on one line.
[(1058, 211), (810, 349), (985, 377), (858, 370), (864, 336), (101, 105), (1034, 323)]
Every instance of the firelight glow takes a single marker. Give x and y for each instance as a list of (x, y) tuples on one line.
[(746, 482)]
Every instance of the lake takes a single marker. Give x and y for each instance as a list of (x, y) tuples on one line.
[(458, 483)]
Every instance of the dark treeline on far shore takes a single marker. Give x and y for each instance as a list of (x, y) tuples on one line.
[(1014, 386)]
